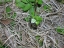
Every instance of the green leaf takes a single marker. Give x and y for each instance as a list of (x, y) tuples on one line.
[(8, 9), (41, 42), (8, 0), (17, 1), (25, 1), (32, 0), (45, 7), (20, 5), (37, 37), (38, 19), (39, 2), (27, 19), (27, 7), (14, 15), (37, 22), (32, 11), (60, 30)]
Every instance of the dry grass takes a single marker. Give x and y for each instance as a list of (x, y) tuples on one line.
[(23, 37)]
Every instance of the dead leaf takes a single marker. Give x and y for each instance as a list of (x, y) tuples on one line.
[(6, 21)]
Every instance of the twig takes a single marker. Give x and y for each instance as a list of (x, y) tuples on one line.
[(9, 38)]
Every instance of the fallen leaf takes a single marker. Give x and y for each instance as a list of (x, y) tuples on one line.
[(6, 21)]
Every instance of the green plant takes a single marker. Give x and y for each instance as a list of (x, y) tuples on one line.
[(8, 9), (8, 13), (28, 4), (31, 7), (47, 8), (40, 40), (2, 46), (36, 19), (60, 30), (12, 15)]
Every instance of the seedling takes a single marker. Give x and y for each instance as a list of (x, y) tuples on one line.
[(39, 39), (31, 7), (60, 30)]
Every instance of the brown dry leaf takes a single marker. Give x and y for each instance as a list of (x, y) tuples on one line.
[(6, 21)]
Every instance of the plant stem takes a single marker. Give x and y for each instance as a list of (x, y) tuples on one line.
[(35, 6)]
